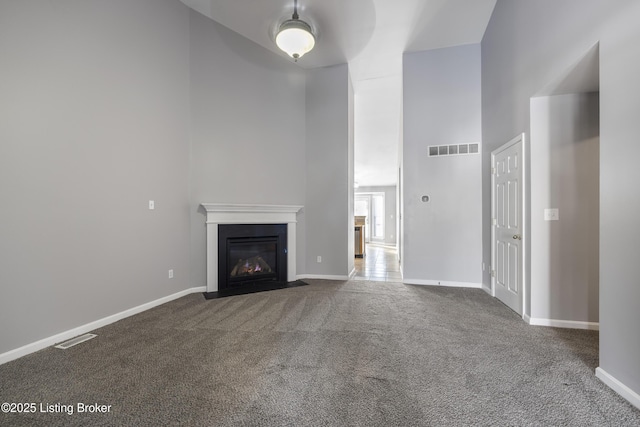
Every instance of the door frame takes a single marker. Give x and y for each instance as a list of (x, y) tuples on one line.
[(523, 217)]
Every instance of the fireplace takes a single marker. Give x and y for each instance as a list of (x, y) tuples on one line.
[(220, 215), (251, 253)]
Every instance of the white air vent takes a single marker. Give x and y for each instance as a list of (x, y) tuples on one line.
[(454, 150), (75, 341)]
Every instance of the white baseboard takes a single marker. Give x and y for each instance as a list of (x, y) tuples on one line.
[(321, 276), (353, 273), (487, 289), (63, 336), (618, 387), (442, 283), (569, 324)]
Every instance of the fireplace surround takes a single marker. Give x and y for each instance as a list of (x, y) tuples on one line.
[(243, 214)]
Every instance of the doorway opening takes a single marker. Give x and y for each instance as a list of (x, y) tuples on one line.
[(565, 210), (379, 261), (565, 199)]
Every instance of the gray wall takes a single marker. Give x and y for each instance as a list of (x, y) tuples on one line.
[(565, 139), (526, 46), (247, 130), (95, 123), (351, 237), (442, 97), (329, 168), (390, 207)]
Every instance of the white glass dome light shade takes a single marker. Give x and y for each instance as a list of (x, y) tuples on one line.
[(295, 38)]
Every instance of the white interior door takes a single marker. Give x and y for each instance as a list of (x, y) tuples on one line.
[(507, 217)]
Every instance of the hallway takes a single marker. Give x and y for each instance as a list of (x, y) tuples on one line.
[(379, 265)]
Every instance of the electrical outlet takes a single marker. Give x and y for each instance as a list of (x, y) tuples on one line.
[(152, 205), (171, 274), (319, 259)]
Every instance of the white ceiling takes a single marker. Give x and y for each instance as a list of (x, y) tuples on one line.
[(370, 35)]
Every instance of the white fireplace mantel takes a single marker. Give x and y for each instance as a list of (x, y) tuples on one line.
[(224, 213)]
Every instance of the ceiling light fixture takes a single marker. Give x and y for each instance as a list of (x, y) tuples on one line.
[(295, 36)]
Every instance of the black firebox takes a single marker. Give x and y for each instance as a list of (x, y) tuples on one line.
[(251, 254)]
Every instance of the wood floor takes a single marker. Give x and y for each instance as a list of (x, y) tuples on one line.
[(379, 265)]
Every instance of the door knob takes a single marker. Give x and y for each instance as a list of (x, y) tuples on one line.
[(517, 237)]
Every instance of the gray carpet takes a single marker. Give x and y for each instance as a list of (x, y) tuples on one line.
[(332, 353)]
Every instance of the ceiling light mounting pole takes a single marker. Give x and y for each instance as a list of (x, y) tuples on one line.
[(295, 10), (295, 36)]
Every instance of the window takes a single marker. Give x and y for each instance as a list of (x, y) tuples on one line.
[(371, 205), (378, 216)]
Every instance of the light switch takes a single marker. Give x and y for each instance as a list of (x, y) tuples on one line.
[(551, 215), (152, 205)]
